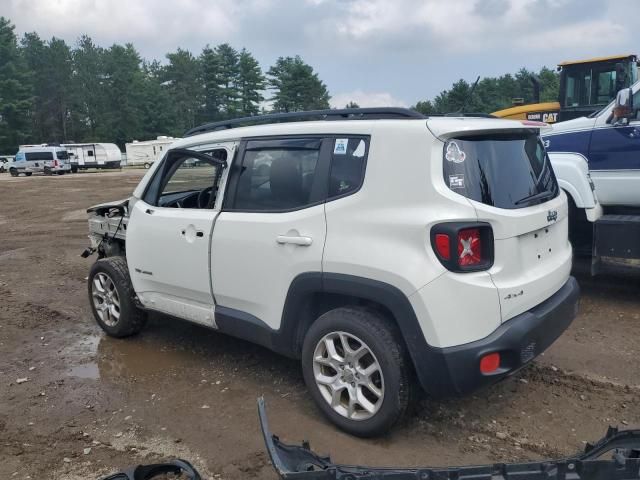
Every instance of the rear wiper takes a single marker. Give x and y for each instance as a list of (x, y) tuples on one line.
[(614, 457), (536, 196)]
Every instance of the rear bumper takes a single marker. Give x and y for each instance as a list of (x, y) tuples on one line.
[(456, 370)]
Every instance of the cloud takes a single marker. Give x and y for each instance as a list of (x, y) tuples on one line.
[(366, 99), (406, 49)]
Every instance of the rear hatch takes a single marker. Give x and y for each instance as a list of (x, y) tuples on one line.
[(507, 177)]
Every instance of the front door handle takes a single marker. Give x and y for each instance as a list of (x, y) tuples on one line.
[(294, 240), (148, 211)]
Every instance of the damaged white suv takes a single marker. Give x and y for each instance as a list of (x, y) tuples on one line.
[(382, 248)]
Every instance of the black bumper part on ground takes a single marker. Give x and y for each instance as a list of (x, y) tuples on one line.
[(456, 370), (300, 462)]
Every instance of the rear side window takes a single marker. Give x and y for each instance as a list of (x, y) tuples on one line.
[(277, 178), (502, 170), (33, 156), (347, 166)]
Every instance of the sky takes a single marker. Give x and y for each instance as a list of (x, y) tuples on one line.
[(373, 52)]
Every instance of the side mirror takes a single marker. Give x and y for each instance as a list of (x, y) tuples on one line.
[(623, 109)]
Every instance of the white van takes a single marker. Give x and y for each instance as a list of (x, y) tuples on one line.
[(45, 159)]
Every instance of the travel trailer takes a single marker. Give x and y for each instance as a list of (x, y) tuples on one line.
[(146, 152), (93, 155)]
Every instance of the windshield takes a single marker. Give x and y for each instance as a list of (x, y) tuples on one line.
[(501, 170), (596, 84)]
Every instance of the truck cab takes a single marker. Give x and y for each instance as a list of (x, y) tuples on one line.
[(597, 162)]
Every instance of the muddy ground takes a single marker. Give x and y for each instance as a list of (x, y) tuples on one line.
[(93, 404)]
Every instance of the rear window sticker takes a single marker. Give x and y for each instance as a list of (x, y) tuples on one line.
[(340, 147), (456, 181), (359, 151), (454, 154)]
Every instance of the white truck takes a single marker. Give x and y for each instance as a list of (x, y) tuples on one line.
[(597, 163), (145, 153), (93, 155), (377, 247)]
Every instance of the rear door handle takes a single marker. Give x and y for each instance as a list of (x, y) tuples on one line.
[(294, 240)]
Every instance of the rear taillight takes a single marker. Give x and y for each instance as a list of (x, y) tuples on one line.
[(55, 163), (443, 245), (469, 247), (463, 246)]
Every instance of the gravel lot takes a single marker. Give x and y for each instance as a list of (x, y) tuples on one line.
[(181, 390)]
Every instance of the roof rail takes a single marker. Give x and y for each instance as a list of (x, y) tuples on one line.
[(337, 114)]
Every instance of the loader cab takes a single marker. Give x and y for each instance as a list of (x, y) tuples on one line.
[(589, 85)]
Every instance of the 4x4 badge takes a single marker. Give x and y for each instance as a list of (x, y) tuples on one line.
[(552, 216)]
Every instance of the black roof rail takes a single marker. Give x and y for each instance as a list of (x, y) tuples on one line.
[(337, 114)]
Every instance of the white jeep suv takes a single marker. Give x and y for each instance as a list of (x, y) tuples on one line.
[(382, 248)]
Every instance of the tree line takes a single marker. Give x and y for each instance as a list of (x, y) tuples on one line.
[(52, 92), (493, 93)]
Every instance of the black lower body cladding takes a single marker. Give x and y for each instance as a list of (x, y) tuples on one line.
[(456, 370)]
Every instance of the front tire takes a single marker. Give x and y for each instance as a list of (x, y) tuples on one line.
[(356, 368), (13, 172), (112, 298)]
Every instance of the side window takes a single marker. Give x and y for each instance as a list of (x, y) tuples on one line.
[(90, 153), (347, 166), (276, 178), (188, 182)]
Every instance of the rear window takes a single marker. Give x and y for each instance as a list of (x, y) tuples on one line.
[(502, 170), (32, 156), (62, 155)]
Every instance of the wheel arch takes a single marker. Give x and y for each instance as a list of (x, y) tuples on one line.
[(312, 294)]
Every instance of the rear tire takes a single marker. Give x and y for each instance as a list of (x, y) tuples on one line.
[(363, 393), (112, 298), (47, 171), (28, 174), (147, 165), (74, 169)]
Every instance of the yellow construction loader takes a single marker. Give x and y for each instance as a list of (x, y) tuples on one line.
[(585, 87)]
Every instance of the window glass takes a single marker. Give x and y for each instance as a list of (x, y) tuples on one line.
[(62, 155), (347, 166), (501, 170), (91, 153), (33, 156), (276, 179), (191, 182)]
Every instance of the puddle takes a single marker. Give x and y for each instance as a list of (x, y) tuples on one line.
[(87, 371), (137, 358), (75, 216)]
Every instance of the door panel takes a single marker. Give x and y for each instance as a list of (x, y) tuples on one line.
[(273, 227), (169, 234), (253, 265), (614, 162)]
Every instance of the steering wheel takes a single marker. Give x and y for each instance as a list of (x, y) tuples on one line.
[(204, 197)]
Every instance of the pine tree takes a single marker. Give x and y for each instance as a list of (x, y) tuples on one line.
[(296, 86), (251, 82), (228, 79), (210, 68), (183, 79), (15, 95), (88, 88)]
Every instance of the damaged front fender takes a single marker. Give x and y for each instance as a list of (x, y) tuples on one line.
[(614, 457)]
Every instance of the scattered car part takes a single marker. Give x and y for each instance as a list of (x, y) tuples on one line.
[(148, 472), (300, 462)]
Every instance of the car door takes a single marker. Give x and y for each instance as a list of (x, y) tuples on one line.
[(614, 160), (169, 234), (272, 227)]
